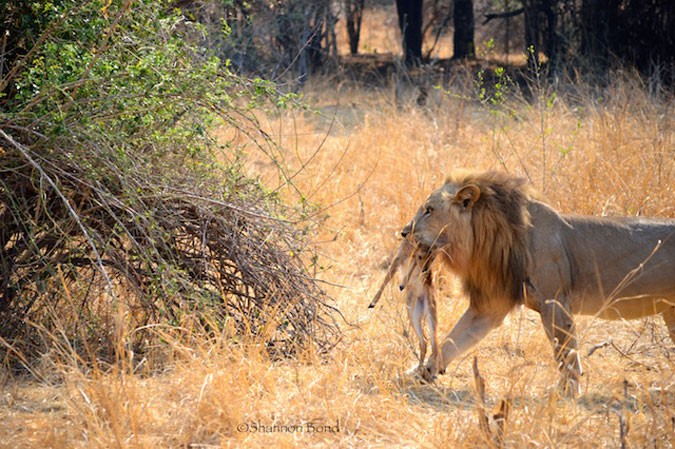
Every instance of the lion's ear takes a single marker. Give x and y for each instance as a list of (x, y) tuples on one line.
[(467, 196)]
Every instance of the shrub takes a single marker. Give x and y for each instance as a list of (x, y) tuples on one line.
[(119, 209)]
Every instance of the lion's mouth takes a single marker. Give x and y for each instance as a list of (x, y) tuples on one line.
[(426, 255), (422, 248)]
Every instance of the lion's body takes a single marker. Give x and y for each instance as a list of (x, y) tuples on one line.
[(509, 249), (609, 267)]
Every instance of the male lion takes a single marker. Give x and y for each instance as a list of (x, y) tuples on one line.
[(509, 248), (419, 293)]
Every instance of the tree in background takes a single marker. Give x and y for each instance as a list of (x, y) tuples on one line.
[(292, 38), (354, 13), (463, 43), (281, 40), (410, 23), (598, 34), (638, 33), (543, 32)]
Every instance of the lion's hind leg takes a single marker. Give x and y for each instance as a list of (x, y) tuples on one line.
[(669, 318)]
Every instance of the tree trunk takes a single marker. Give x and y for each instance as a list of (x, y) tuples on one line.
[(532, 33), (354, 11), (464, 30), (410, 23), (552, 47), (595, 30)]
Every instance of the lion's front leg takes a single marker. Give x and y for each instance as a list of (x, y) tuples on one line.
[(469, 330), (559, 326)]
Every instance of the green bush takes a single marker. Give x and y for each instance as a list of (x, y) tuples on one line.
[(115, 198)]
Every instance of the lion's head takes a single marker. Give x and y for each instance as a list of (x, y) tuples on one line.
[(477, 223)]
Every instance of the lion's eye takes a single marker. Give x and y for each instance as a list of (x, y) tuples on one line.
[(428, 210)]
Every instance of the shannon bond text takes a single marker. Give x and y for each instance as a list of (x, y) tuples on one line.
[(306, 427)]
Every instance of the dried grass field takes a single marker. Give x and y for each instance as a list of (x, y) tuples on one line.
[(368, 161)]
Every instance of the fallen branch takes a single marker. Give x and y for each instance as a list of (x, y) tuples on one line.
[(622, 353), (604, 344), (495, 437), (503, 15)]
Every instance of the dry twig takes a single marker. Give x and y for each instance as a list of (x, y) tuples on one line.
[(119, 233), (495, 438)]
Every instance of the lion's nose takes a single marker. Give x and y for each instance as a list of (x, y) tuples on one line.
[(407, 229)]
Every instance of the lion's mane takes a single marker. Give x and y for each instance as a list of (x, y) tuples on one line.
[(499, 259)]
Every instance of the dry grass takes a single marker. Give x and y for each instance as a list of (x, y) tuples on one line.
[(374, 165)]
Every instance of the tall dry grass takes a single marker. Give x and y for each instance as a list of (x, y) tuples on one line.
[(368, 161)]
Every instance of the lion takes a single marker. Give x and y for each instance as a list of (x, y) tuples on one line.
[(509, 248), (419, 293)]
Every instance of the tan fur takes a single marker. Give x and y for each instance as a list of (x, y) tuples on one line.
[(420, 299), (509, 248)]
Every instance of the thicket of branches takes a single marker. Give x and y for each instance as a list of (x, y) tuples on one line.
[(281, 40), (117, 207)]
